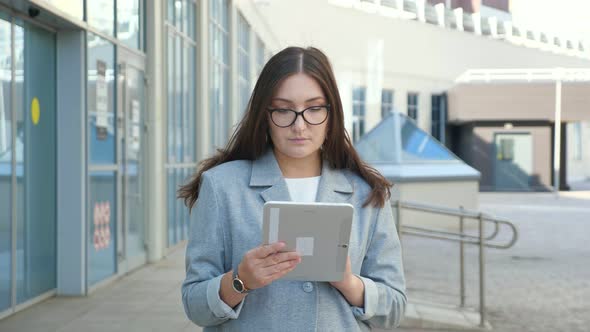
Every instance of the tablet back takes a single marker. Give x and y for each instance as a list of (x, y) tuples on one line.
[(320, 232)]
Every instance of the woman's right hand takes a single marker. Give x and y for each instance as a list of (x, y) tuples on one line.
[(263, 265)]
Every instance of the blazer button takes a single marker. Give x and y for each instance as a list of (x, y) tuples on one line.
[(307, 286)]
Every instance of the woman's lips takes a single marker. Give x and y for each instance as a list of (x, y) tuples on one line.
[(298, 140)]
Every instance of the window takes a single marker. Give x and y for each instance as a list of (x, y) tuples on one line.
[(260, 55), (439, 115), (129, 23), (358, 112), (243, 63), (219, 75), (181, 111), (386, 102), (577, 144), (413, 105)]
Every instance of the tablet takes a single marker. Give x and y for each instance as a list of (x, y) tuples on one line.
[(320, 232)]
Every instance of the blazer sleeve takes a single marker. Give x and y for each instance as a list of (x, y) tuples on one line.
[(205, 262), (382, 274)]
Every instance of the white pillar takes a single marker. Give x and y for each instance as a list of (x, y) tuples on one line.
[(421, 10), (440, 14), (476, 18), (557, 132), (458, 12), (203, 121), (156, 185), (493, 23)]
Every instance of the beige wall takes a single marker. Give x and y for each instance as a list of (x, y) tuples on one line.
[(518, 101), (449, 194)]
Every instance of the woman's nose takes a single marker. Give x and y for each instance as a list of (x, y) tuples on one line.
[(299, 123)]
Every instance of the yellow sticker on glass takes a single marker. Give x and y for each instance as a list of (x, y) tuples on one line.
[(35, 111)]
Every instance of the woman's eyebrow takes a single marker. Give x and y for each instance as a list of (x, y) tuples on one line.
[(289, 101)]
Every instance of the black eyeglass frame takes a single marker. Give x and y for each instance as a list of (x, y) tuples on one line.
[(272, 110)]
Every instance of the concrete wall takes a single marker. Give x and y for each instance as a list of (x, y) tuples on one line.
[(449, 194)]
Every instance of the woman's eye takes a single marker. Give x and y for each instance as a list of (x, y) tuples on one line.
[(282, 111)]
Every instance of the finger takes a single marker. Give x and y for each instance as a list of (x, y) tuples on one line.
[(277, 268), (282, 273), (280, 257), (269, 249)]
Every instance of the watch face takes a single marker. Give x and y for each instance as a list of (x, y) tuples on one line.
[(238, 286)]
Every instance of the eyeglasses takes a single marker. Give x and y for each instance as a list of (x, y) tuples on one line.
[(284, 117)]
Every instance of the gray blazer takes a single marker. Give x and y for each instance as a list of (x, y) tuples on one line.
[(228, 222)]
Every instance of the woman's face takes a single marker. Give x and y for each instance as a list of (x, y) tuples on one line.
[(301, 139)]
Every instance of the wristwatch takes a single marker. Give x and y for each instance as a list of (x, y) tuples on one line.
[(238, 285)]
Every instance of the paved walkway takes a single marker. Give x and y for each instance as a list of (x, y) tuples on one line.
[(146, 300), (541, 284)]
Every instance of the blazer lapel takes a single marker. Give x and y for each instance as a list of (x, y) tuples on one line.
[(334, 186), (266, 173)]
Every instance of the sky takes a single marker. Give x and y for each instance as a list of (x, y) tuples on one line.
[(566, 18)]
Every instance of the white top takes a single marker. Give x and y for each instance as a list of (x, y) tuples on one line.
[(303, 189)]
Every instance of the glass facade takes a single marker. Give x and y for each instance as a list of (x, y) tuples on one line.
[(243, 63), (181, 111), (438, 116), (113, 211), (27, 162), (386, 102), (129, 22), (260, 55), (358, 112), (102, 178), (413, 105), (219, 76), (6, 169), (100, 15), (577, 141)]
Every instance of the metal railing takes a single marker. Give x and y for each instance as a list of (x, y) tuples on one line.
[(481, 240)]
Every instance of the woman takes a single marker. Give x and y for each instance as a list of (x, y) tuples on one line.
[(291, 145)]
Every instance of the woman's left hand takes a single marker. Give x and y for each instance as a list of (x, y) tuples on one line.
[(348, 276), (351, 287)]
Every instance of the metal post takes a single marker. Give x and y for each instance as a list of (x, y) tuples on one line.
[(482, 309), (398, 220), (14, 206), (462, 261), (557, 134)]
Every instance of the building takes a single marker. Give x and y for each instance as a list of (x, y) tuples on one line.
[(408, 55), (106, 107), (99, 126)]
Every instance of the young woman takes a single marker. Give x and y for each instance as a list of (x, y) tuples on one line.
[(290, 145)]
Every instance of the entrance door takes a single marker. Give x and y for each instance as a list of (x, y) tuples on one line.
[(131, 249), (513, 165), (27, 163)]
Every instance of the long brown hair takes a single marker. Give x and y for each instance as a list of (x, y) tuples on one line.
[(251, 139)]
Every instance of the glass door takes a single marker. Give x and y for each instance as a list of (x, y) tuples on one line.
[(28, 142), (131, 249), (513, 166)]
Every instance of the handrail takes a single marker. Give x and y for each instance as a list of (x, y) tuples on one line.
[(460, 213), (460, 237)]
